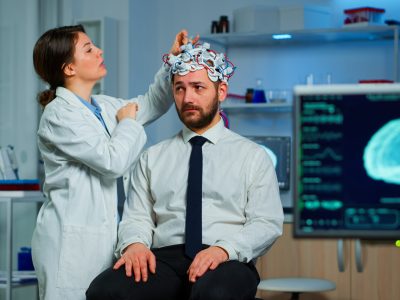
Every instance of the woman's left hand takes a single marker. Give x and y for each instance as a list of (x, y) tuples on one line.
[(182, 39)]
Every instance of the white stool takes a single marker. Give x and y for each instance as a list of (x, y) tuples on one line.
[(296, 285)]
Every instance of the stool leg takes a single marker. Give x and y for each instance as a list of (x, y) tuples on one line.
[(295, 296)]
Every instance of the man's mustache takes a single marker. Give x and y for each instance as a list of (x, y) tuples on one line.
[(190, 107)]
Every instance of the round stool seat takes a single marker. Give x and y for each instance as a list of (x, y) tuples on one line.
[(298, 285)]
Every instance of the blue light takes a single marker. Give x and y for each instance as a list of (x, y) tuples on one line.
[(281, 36)]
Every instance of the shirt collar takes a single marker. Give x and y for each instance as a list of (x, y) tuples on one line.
[(213, 134), (94, 106)]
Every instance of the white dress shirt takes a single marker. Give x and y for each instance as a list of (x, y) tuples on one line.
[(242, 211)]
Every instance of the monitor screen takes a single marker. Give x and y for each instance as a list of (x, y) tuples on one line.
[(347, 161), (278, 149)]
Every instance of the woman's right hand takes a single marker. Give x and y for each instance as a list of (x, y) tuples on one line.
[(127, 111)]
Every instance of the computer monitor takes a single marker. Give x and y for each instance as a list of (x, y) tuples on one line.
[(347, 161), (278, 149)]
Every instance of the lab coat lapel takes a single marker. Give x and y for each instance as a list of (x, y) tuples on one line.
[(106, 117), (72, 99)]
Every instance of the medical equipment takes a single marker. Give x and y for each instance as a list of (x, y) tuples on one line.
[(8, 163), (197, 57), (347, 161)]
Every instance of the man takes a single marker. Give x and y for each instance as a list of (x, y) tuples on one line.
[(173, 248)]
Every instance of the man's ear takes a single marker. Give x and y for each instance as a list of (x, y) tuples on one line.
[(69, 70), (222, 91)]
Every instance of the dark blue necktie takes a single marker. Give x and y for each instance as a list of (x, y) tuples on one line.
[(193, 229), (120, 196)]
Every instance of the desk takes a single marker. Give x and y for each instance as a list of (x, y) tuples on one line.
[(9, 198)]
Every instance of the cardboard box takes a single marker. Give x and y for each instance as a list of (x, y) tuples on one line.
[(304, 17), (256, 18), (363, 16)]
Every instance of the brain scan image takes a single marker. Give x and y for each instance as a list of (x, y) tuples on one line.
[(382, 153)]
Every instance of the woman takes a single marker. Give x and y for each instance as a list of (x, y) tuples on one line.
[(86, 142)]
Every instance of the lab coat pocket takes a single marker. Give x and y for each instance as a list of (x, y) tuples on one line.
[(85, 252)]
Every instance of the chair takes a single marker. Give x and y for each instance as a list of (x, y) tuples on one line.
[(296, 285)]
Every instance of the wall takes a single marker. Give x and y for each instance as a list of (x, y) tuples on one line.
[(18, 114), (18, 83), (72, 10)]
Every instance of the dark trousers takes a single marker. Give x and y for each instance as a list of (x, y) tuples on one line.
[(231, 280)]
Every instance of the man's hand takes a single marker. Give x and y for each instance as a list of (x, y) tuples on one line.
[(207, 259), (140, 259), (182, 39), (127, 111)]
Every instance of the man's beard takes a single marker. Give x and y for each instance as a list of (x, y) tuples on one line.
[(203, 120)]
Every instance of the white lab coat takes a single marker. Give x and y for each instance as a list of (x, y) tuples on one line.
[(76, 230)]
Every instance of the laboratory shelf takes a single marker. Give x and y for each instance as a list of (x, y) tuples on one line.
[(256, 107), (21, 196), (370, 33), (19, 279), (10, 279), (350, 33)]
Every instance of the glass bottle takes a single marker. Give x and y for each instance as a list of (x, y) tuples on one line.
[(259, 94), (249, 95), (214, 27), (223, 24)]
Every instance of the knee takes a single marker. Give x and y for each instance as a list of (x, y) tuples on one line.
[(93, 293), (100, 289), (96, 291), (231, 280), (211, 292)]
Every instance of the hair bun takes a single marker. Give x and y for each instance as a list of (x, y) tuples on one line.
[(46, 96)]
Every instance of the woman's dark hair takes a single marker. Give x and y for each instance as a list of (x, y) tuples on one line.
[(53, 51)]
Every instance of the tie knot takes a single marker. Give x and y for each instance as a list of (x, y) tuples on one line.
[(198, 140)]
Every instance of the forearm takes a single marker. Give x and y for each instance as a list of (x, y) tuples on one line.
[(138, 222), (157, 100), (252, 240)]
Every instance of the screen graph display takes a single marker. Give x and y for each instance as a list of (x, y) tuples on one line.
[(347, 161)]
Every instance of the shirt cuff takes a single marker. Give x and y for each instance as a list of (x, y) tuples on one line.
[(130, 121), (233, 255), (121, 247)]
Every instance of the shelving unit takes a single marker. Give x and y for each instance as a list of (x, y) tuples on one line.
[(326, 35), (256, 107), (9, 198), (351, 33)]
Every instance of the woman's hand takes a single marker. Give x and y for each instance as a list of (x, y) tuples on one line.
[(182, 39), (127, 111)]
